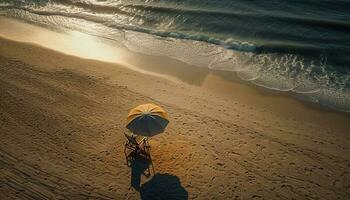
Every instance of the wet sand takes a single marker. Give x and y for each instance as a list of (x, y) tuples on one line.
[(62, 123)]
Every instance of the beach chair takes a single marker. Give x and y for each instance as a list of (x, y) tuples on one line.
[(134, 144), (140, 150)]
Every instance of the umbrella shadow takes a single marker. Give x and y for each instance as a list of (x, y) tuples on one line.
[(163, 186), (141, 165)]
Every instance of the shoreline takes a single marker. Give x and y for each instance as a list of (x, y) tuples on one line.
[(62, 117), (112, 52)]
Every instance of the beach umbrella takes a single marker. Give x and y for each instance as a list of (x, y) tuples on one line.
[(147, 120)]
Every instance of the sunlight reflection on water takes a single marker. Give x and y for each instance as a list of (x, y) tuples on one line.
[(73, 43), (88, 46)]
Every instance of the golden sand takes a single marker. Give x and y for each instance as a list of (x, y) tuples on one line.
[(62, 120)]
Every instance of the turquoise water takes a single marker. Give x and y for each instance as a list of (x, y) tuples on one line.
[(292, 45)]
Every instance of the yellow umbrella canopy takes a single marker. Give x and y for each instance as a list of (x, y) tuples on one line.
[(147, 120)]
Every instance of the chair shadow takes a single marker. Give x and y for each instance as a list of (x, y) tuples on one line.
[(141, 165), (162, 187)]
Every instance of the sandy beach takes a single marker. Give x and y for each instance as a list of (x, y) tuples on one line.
[(62, 119)]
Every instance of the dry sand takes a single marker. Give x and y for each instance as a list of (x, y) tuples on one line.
[(62, 123)]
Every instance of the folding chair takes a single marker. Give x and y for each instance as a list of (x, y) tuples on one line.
[(134, 144)]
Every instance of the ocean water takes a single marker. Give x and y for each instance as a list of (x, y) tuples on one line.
[(297, 46)]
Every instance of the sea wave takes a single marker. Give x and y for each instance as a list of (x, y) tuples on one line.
[(105, 20), (312, 71)]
